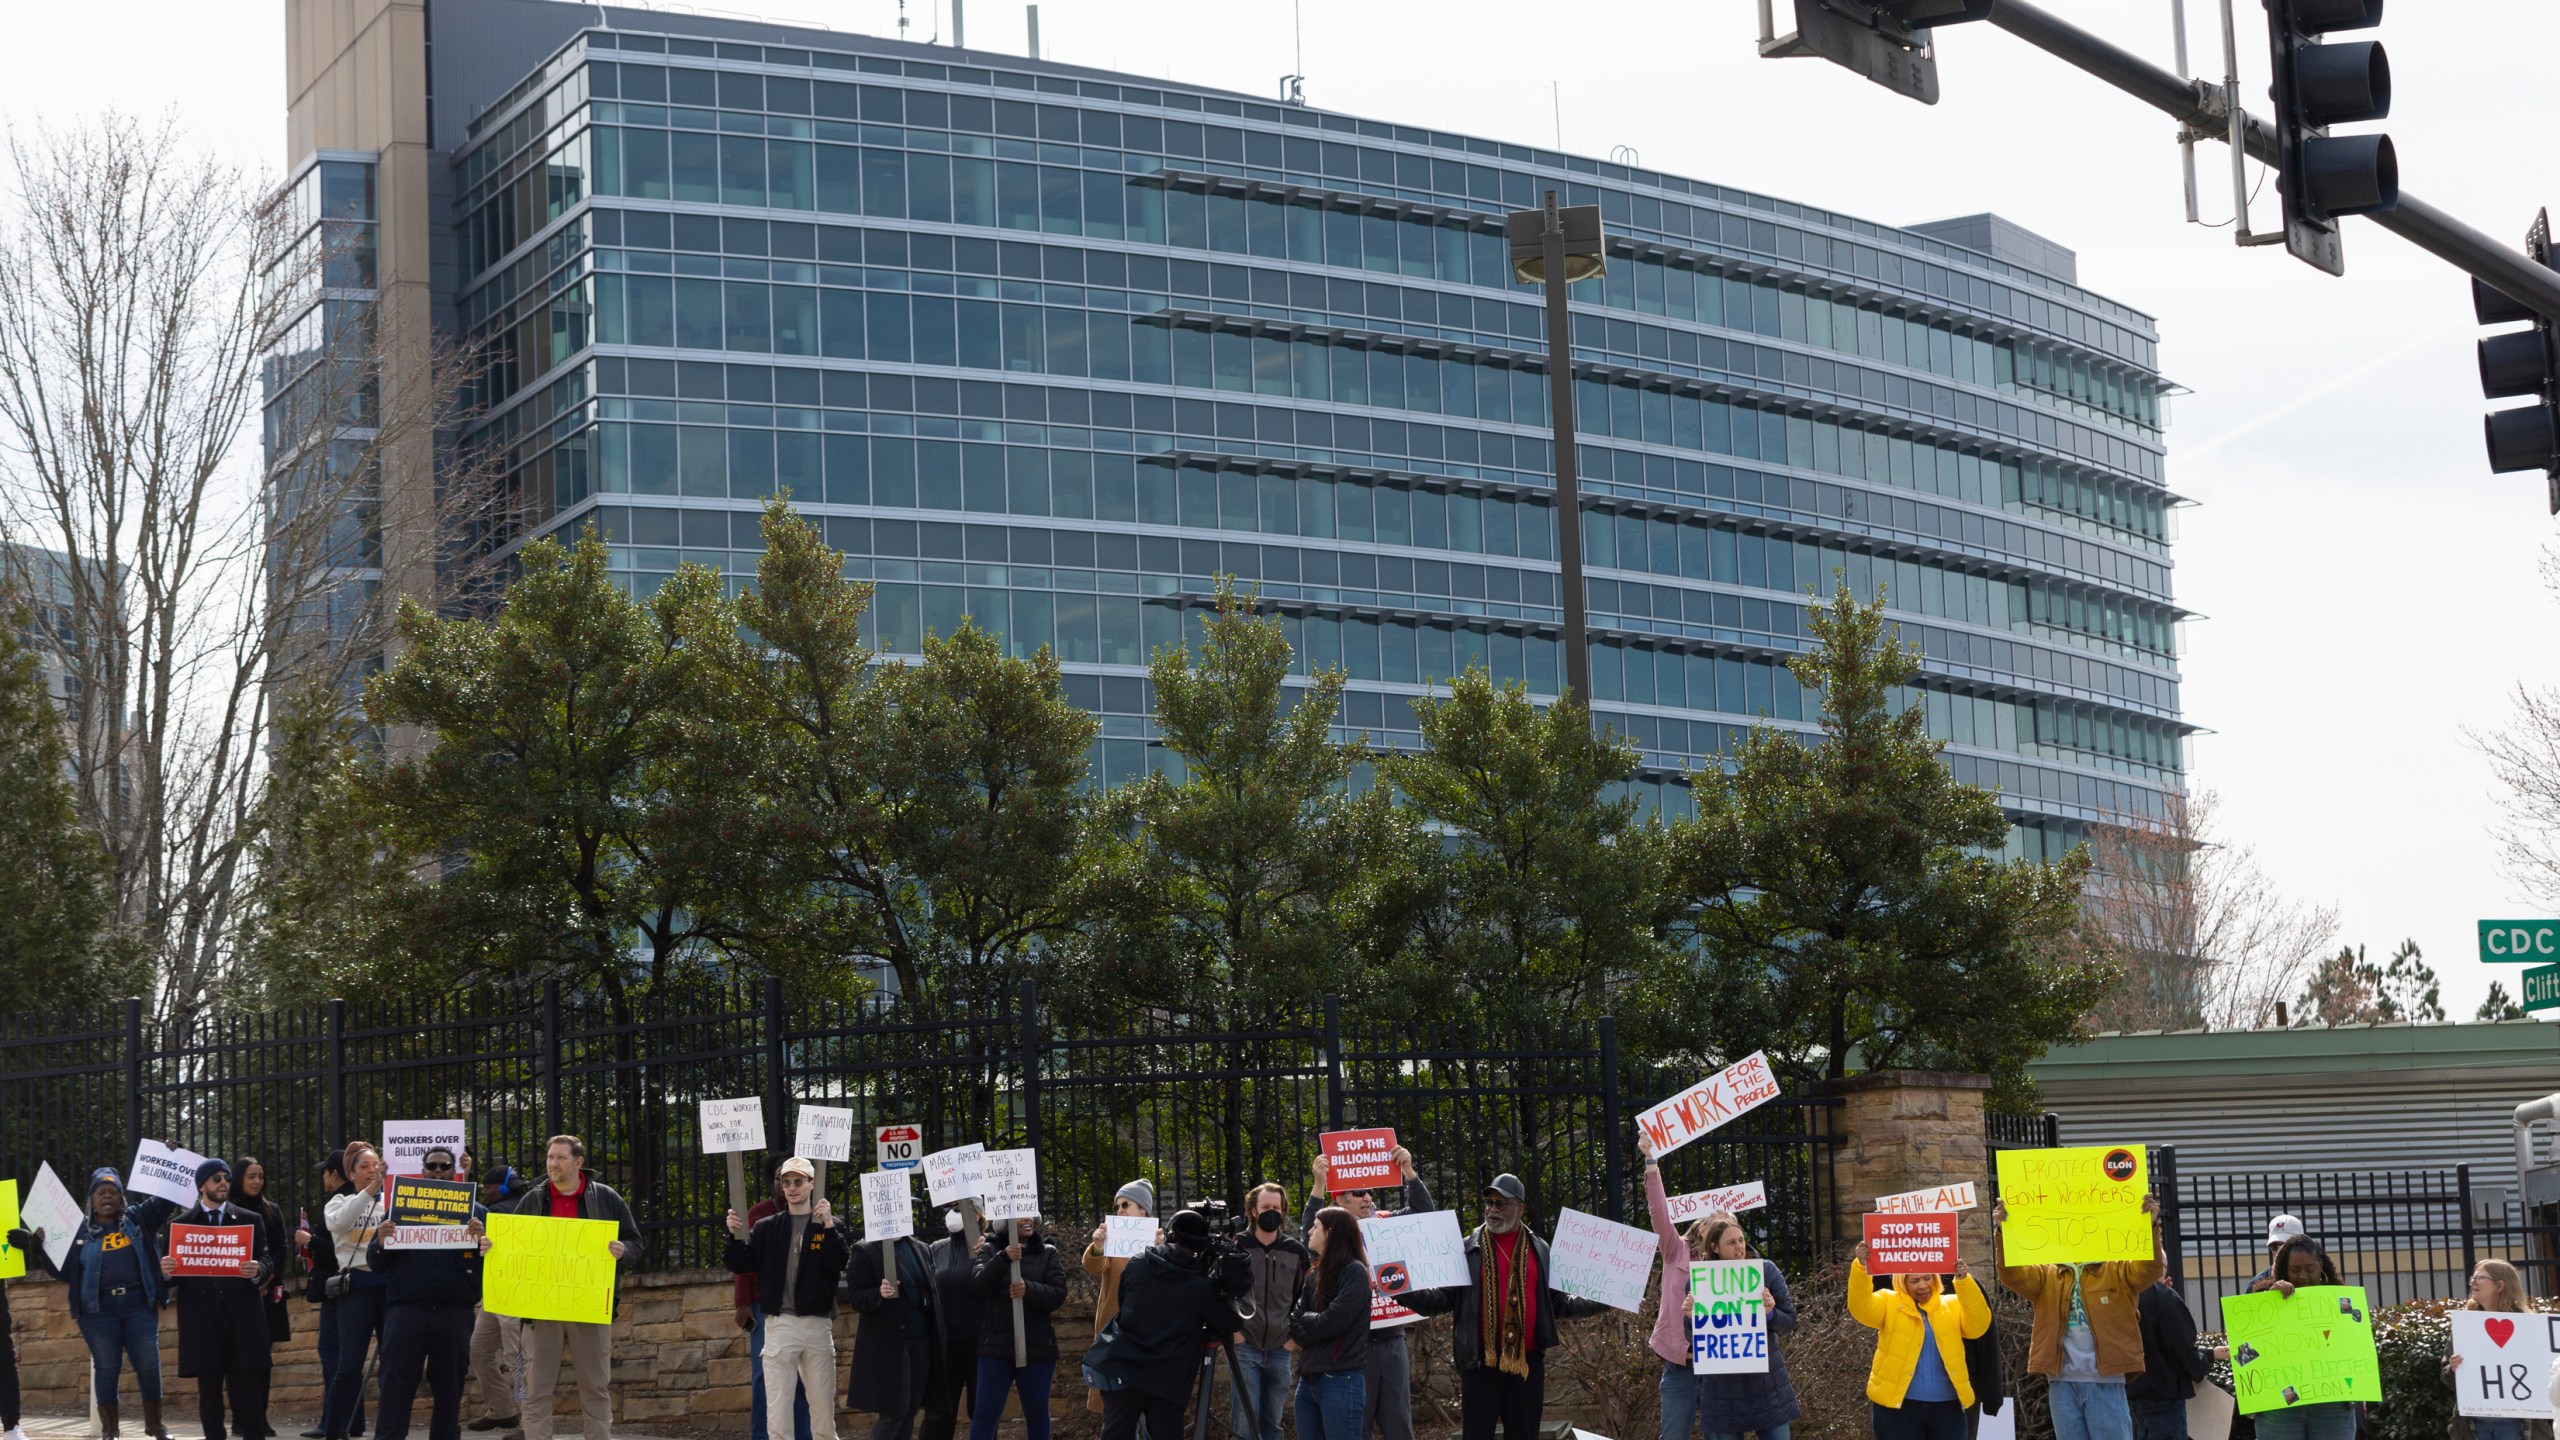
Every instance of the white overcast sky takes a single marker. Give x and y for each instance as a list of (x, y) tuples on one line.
[(2372, 588)]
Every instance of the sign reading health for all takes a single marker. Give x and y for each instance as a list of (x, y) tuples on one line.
[(1728, 1321), (1741, 1087), (2074, 1206), (1919, 1202)]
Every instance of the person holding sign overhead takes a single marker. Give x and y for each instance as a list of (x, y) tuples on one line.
[(1720, 1406), (222, 1319), (2088, 1330), (572, 1192), (1918, 1385), (796, 1254), (1506, 1318), (751, 1318), (1387, 1365), (114, 1293), (1042, 1289)]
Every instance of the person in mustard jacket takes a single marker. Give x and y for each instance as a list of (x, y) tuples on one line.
[(2088, 1331), (1917, 1383)]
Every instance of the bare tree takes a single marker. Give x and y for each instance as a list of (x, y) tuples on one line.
[(2203, 934), (2524, 755), (152, 303)]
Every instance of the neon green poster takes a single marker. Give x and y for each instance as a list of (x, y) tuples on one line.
[(2313, 1347)]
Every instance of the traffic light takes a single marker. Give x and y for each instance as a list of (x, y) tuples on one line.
[(1886, 41), (2323, 176), (2522, 362)]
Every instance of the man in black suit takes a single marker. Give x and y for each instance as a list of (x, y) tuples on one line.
[(222, 1319)]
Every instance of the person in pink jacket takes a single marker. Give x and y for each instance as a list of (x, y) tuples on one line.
[(1718, 1407)]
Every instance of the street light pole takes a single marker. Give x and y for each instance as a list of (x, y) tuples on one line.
[(1557, 246)]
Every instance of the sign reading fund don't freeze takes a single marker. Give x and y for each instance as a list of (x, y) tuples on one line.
[(1728, 1321), (1742, 1086)]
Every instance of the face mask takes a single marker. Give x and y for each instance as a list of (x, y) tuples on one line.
[(951, 1221), (1268, 1222)]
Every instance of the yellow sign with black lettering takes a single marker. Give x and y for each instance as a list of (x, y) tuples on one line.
[(542, 1268)]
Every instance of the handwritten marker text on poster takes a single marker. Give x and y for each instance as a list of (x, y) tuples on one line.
[(1728, 1321), (1915, 1202), (1737, 1089), (2075, 1205), (541, 1268), (1731, 1200)]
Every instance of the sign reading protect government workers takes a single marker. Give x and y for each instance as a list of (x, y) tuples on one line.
[(2074, 1205)]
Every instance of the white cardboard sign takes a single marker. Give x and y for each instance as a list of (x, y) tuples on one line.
[(956, 1174), (2506, 1364), (405, 1143), (1921, 1202), (165, 1171), (1732, 1200), (1602, 1260), (1126, 1237), (729, 1126), (1728, 1326), (823, 1134), (1737, 1089), (888, 1205), (1425, 1243), (1013, 1185), (48, 1206)]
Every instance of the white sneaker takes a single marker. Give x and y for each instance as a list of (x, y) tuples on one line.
[(13, 1433)]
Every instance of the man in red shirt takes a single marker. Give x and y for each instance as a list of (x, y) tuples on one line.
[(572, 1192), (1506, 1317)]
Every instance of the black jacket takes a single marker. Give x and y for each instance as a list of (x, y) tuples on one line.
[(956, 1302), (1044, 1289), (1280, 1270), (324, 1254), (2171, 1363), (1168, 1309), (766, 1254), (885, 1345), (599, 1201), (1466, 1336), (212, 1308), (428, 1279), (1982, 1363), (1334, 1336)]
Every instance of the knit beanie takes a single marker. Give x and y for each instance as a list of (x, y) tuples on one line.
[(1140, 1193)]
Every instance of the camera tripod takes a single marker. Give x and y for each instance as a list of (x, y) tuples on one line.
[(1235, 1378)]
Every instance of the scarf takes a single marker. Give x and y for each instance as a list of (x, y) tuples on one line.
[(1503, 1314)]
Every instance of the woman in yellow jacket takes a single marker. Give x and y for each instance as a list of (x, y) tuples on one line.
[(1917, 1382)]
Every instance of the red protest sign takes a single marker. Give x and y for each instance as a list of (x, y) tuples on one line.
[(1360, 1160), (210, 1249), (1923, 1244)]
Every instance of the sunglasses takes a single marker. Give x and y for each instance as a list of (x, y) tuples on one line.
[(433, 1168)]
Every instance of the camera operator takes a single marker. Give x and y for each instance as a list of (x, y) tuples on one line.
[(1388, 1366), (1506, 1318), (1280, 1263), (1174, 1300)]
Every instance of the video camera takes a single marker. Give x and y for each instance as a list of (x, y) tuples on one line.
[(1215, 1243)]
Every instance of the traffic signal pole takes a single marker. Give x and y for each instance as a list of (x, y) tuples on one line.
[(2201, 108)]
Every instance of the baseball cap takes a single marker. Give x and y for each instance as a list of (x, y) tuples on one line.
[(2283, 1228), (797, 1166), (1508, 1186)]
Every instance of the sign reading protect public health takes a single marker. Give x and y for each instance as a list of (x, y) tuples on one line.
[(2519, 942)]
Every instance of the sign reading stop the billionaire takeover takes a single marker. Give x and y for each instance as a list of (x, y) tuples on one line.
[(2517, 942)]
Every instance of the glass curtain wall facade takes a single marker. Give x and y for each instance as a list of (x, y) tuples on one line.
[(1053, 350)]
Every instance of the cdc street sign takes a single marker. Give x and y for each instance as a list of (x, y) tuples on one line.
[(2515, 942), (2541, 987)]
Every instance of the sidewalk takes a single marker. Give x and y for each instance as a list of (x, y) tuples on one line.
[(184, 1427)]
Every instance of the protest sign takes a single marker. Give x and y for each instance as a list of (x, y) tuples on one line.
[(2506, 1364), (2004, 1426), (823, 1134), (405, 1143), (1419, 1251), (730, 1126), (13, 1261), (1126, 1237), (2074, 1205), (1732, 1200), (1013, 1185), (1384, 1312), (212, 1249), (1920, 1202), (1738, 1088), (165, 1171), (1917, 1244), (2210, 1412), (49, 1207), (888, 1205), (1601, 1259), (428, 1215), (539, 1268), (2308, 1348), (1728, 1322), (956, 1174), (1359, 1160)]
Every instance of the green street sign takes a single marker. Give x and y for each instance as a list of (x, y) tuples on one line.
[(2518, 942), (2542, 988)]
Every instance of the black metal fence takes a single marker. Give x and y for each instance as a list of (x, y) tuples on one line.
[(1201, 1110)]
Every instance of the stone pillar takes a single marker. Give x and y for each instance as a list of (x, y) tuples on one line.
[(1903, 1130)]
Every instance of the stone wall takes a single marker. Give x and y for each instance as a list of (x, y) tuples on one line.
[(1904, 1130)]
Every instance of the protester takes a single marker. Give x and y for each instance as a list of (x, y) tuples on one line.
[(249, 1192), (797, 1254), (1720, 1407), (898, 1352), (1042, 1289), (1506, 1318), (2299, 1262), (1918, 1386), (2088, 1330), (1145, 1361), (115, 1294), (1280, 1265), (352, 1220), (2279, 1230), (1388, 1366), (572, 1192), (1329, 1330), (9, 1398), (959, 1311), (1135, 1199), (428, 1299), (2172, 1365), (222, 1319), (2497, 1288), (497, 1341), (751, 1319)]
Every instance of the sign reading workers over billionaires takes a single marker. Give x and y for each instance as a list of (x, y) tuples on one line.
[(429, 1215), (2074, 1206), (541, 1268), (1744, 1085), (2312, 1347)]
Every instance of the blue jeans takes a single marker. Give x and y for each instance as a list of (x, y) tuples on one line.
[(2334, 1420), (359, 1322), (1333, 1407), (124, 1327), (2090, 1410), (2509, 1428), (1679, 1401), (326, 1348), (987, 1405), (1774, 1432), (1264, 1381), (755, 1369)]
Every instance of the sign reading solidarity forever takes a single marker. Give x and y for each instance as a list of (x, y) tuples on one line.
[(1738, 1088), (730, 1126), (2076, 1205), (2506, 1364), (1916, 1244), (1728, 1322), (429, 1215), (824, 1134), (1732, 1200), (211, 1249), (541, 1268), (2312, 1347), (1601, 1259)]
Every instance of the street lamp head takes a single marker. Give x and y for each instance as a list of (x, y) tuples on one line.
[(1583, 253)]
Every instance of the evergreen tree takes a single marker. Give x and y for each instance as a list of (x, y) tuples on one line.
[(56, 886), (2499, 1005)]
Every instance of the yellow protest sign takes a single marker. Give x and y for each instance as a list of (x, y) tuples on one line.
[(2074, 1205), (13, 1261), (541, 1268), (2312, 1347)]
